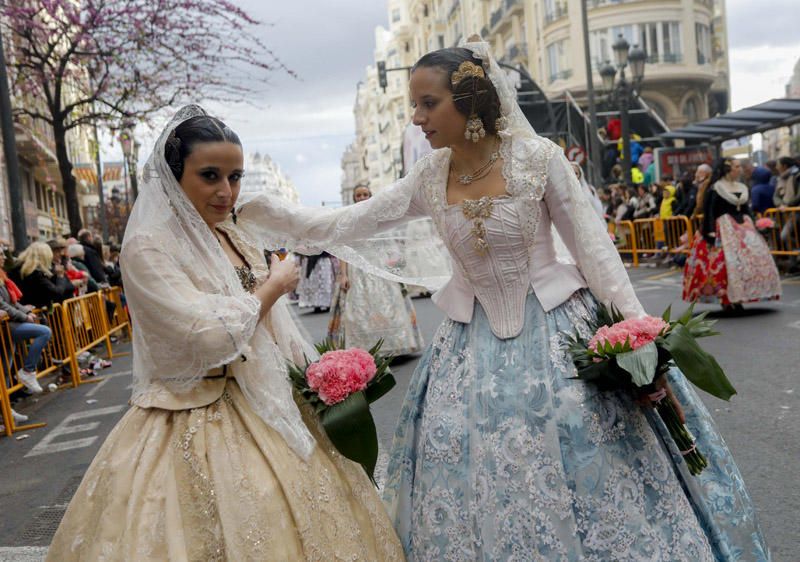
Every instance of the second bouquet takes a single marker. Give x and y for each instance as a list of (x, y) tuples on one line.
[(340, 386)]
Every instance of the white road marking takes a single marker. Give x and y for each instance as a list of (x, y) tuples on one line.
[(47, 446), (96, 387), (22, 553)]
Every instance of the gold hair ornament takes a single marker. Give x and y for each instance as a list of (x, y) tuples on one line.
[(465, 70)]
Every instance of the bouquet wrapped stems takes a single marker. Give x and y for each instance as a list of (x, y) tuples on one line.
[(683, 438)]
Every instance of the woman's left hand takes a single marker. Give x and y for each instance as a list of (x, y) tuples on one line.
[(662, 383)]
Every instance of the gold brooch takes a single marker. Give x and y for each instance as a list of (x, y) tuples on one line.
[(465, 70)]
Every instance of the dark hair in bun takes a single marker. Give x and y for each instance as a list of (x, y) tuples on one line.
[(198, 129), (470, 94)]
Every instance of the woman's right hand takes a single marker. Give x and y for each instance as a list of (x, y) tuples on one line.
[(285, 275), (344, 283)]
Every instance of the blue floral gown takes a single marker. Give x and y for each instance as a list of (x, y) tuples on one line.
[(500, 455)]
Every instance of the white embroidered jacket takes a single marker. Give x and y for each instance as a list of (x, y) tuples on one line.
[(542, 191)]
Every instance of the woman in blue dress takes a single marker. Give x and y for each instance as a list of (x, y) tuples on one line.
[(498, 453)]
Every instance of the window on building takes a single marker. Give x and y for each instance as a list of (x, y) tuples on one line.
[(40, 197), (671, 41), (702, 35), (395, 15), (690, 110), (556, 61), (441, 41)]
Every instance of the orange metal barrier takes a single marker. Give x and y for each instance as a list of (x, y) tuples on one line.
[(784, 238), (119, 321), (626, 240), (678, 234), (8, 382), (85, 325)]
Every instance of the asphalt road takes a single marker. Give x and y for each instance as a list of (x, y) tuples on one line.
[(759, 349)]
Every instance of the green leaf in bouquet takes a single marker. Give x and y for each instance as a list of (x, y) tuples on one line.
[(640, 363), (687, 316), (698, 366), (667, 314), (351, 429), (379, 386), (376, 348)]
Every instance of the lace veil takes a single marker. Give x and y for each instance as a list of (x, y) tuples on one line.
[(190, 311)]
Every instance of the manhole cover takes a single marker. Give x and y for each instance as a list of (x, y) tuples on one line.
[(40, 530)]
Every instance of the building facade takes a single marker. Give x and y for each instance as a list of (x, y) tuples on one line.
[(686, 78), (262, 175)]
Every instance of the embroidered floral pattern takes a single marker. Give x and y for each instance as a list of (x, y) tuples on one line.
[(498, 455)]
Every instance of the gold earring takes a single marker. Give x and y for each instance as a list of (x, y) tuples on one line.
[(474, 130)]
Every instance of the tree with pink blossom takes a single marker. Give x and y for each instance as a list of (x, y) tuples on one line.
[(74, 63)]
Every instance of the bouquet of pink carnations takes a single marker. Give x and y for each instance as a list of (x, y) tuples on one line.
[(764, 224), (637, 353), (340, 386)]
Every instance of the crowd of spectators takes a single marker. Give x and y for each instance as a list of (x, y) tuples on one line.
[(774, 185), (43, 274)]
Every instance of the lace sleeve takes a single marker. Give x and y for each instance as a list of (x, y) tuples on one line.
[(284, 224), (587, 239), (373, 235), (171, 314)]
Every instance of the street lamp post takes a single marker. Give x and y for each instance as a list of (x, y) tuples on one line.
[(622, 89), (130, 149)]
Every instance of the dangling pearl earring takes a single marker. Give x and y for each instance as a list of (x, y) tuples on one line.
[(475, 130)]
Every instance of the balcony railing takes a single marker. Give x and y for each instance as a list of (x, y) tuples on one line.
[(668, 58), (559, 11), (563, 75), (601, 3)]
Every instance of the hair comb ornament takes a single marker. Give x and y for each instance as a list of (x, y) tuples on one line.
[(465, 70)]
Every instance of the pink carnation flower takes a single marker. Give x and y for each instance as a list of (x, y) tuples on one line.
[(340, 373), (636, 331), (764, 223)]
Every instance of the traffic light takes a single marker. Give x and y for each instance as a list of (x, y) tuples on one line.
[(382, 82)]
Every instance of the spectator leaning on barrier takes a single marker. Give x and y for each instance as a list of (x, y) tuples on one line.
[(689, 203), (77, 253), (762, 192), (92, 258), (23, 326), (40, 285), (112, 269), (787, 188), (646, 203)]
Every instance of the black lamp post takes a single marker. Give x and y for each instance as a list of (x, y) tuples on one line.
[(622, 89)]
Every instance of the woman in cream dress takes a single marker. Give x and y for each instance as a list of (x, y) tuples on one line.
[(215, 460)]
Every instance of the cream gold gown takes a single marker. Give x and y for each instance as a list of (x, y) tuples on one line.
[(214, 482)]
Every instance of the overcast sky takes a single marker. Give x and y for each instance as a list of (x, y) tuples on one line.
[(305, 124)]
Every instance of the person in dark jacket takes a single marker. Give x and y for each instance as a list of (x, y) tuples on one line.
[(23, 326), (762, 191), (40, 285), (93, 258)]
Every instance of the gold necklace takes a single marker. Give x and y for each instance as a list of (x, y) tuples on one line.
[(480, 172)]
